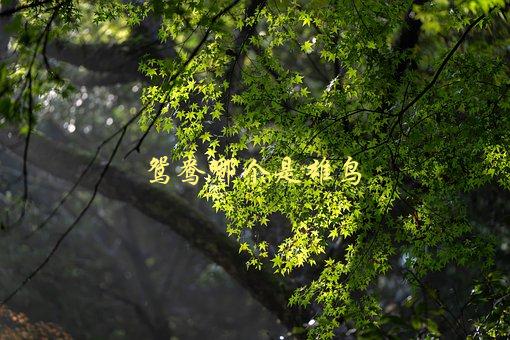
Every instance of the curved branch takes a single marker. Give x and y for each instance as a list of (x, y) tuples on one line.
[(443, 64), (108, 58), (171, 210), (13, 10)]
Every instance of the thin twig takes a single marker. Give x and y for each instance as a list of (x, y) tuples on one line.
[(178, 73), (30, 114), (443, 65), (11, 11), (71, 226), (28, 80), (83, 173)]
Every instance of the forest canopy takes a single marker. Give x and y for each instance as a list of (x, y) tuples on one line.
[(345, 143)]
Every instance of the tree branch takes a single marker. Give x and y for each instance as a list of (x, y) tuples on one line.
[(32, 274), (112, 59), (13, 10), (169, 209), (443, 64)]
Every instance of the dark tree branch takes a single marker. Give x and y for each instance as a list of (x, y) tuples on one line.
[(30, 112), (108, 64), (91, 78), (85, 170), (426, 89), (171, 210), (438, 72), (235, 68), (443, 64), (70, 227), (112, 59), (30, 119), (14, 10), (182, 67)]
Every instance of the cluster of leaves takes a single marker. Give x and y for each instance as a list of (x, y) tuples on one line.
[(22, 81), (318, 79), (495, 292), (249, 93)]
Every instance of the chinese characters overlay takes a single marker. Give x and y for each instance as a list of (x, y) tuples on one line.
[(225, 169)]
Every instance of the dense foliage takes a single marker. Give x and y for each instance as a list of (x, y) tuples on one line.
[(415, 92)]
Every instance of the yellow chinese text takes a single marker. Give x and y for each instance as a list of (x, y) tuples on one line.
[(286, 171), (158, 166), (350, 173), (190, 170), (319, 170), (254, 171)]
